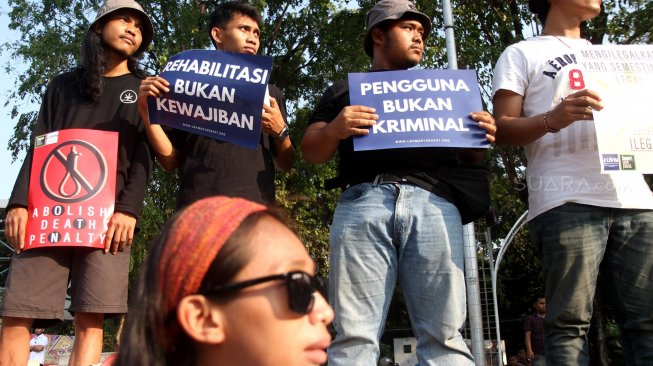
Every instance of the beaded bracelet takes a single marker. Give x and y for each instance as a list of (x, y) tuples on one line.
[(546, 125)]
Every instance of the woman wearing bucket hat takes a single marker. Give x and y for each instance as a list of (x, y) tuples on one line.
[(98, 95), (238, 291)]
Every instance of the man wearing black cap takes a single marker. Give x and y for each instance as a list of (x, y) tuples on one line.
[(101, 94), (395, 221)]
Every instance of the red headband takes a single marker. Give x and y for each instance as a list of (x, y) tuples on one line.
[(198, 234)]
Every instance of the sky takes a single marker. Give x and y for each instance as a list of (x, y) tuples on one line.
[(9, 170)]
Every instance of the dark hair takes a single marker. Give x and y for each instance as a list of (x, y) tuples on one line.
[(539, 8), (94, 64), (152, 337), (224, 12)]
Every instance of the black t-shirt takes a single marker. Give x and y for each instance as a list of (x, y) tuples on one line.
[(64, 107), (209, 167), (358, 166), (435, 169)]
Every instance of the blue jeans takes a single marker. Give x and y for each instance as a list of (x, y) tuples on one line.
[(386, 232), (576, 243)]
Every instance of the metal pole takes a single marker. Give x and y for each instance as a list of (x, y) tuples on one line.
[(495, 270), (452, 57), (473, 294), (469, 238)]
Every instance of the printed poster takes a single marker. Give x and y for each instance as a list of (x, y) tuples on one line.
[(215, 94), (622, 76), (72, 188), (419, 108)]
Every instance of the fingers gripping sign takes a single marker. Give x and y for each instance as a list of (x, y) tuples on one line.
[(486, 121), (578, 106), (354, 121), (272, 118), (152, 86)]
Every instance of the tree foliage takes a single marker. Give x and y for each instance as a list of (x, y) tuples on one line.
[(314, 42)]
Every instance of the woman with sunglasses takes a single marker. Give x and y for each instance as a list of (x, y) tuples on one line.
[(227, 283)]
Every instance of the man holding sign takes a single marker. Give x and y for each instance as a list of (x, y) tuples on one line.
[(399, 218), (99, 95), (207, 166), (582, 222)]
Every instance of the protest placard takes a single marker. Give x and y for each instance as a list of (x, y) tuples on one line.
[(622, 76), (215, 94), (419, 108), (72, 188)]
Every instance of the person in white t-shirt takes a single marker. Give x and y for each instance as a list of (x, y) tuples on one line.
[(37, 347), (581, 221)]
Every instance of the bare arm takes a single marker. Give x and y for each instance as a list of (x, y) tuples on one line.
[(321, 139), (37, 348), (273, 123), (166, 153), (529, 348), (515, 130)]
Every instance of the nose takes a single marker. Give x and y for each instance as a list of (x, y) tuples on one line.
[(131, 29), (322, 311), (417, 36), (251, 38)]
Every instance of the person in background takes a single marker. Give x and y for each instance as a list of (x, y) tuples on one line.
[(513, 361), (534, 332), (37, 347)]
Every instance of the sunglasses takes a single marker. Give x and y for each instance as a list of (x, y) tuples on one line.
[(300, 286)]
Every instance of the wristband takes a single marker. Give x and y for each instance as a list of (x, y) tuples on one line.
[(546, 124), (283, 134)]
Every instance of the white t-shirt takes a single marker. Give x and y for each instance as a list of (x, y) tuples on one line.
[(565, 166), (39, 340)]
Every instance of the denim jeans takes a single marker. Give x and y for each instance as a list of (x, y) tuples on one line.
[(389, 232), (576, 243)]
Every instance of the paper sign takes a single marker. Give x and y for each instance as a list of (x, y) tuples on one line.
[(622, 76), (215, 94), (419, 108), (72, 188)]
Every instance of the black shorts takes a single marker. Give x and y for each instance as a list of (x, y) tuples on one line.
[(38, 279)]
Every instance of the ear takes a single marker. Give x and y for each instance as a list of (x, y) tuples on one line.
[(378, 36), (216, 35), (201, 320)]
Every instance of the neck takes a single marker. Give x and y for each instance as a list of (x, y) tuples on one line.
[(560, 24), (381, 64), (116, 66)]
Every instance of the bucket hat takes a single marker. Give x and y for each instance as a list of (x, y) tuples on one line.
[(392, 10), (111, 6)]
